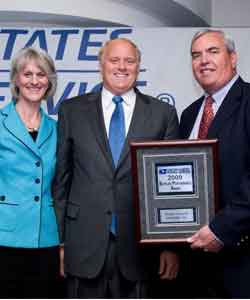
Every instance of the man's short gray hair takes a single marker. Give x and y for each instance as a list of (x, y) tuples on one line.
[(229, 42), (102, 50)]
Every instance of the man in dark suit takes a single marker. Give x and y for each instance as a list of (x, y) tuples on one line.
[(93, 184), (226, 239)]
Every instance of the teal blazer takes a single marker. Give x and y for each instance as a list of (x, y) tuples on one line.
[(27, 217)]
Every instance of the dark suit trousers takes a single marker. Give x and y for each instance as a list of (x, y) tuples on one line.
[(109, 283)]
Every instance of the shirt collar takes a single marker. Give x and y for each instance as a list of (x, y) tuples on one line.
[(220, 95), (107, 97)]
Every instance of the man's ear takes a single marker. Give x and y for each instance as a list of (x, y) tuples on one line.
[(100, 67), (234, 59)]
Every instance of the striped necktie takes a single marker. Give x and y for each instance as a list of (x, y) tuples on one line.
[(207, 117)]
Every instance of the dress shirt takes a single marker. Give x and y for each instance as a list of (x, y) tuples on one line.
[(218, 97), (108, 107)]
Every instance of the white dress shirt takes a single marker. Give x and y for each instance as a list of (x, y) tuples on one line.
[(108, 107)]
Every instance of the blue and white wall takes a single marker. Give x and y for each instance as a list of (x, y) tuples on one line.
[(73, 32)]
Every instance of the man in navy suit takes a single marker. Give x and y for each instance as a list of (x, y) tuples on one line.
[(223, 245), (92, 188)]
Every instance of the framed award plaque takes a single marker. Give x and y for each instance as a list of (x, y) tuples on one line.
[(175, 188)]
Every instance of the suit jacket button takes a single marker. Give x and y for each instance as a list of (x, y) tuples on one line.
[(37, 180), (36, 198), (2, 198), (109, 212), (38, 164)]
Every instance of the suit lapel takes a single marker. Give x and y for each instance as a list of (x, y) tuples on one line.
[(227, 108), (16, 127), (139, 119), (45, 130), (191, 118), (96, 121)]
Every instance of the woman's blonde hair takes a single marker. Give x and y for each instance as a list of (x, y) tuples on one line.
[(43, 61)]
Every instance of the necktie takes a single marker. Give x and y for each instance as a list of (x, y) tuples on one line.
[(116, 140), (117, 129), (207, 118)]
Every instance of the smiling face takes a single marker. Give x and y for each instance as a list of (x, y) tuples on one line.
[(213, 65), (32, 83), (119, 66)]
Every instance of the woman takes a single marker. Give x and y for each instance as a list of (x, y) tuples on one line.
[(29, 251)]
